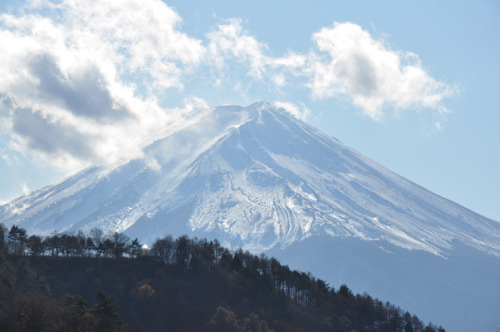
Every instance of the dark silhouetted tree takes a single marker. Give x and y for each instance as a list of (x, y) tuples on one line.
[(35, 245), (17, 240), (104, 311), (164, 249), (3, 232), (120, 245)]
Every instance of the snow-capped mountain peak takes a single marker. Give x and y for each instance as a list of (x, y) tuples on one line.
[(254, 177)]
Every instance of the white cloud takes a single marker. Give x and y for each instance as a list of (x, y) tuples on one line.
[(301, 112), (193, 103), (231, 42), (232, 48), (140, 37), (26, 189), (80, 81), (370, 74), (153, 164), (290, 61), (79, 84), (438, 125), (346, 62), (6, 158)]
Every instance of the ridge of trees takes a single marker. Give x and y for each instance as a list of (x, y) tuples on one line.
[(201, 285)]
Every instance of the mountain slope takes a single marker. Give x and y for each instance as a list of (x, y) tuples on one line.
[(257, 178)]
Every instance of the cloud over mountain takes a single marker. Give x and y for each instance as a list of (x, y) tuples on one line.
[(80, 81)]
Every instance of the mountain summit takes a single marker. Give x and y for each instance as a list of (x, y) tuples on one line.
[(257, 178)]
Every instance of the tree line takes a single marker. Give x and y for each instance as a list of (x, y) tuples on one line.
[(96, 244), (261, 281)]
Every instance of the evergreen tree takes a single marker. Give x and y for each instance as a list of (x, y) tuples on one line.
[(35, 245), (104, 311), (17, 240)]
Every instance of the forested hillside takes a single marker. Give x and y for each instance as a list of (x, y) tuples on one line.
[(100, 282)]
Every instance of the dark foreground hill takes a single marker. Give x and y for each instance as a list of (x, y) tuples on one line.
[(177, 285)]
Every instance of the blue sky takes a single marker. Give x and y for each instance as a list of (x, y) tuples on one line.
[(413, 85)]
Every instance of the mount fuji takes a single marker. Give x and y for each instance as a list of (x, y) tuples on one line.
[(259, 179)]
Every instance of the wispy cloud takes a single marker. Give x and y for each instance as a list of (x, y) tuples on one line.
[(300, 112), (236, 56), (81, 81), (229, 41)]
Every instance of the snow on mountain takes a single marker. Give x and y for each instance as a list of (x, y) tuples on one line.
[(255, 177)]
